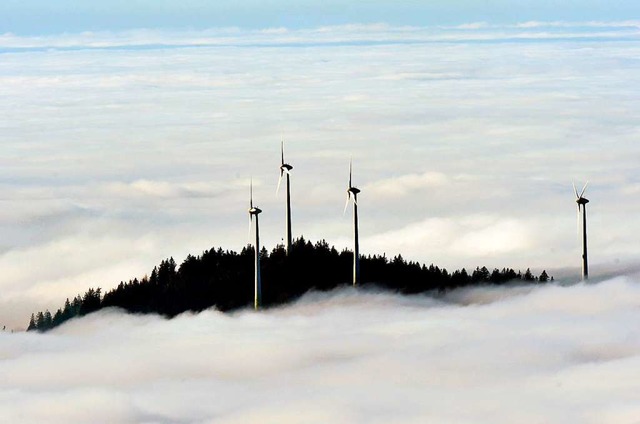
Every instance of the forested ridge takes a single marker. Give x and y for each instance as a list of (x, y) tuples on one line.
[(224, 279)]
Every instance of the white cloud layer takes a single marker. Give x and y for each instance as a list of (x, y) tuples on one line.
[(348, 33), (121, 149), (488, 355), (478, 236)]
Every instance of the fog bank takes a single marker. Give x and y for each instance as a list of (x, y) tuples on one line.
[(520, 354)]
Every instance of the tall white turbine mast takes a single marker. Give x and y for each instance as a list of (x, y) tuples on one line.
[(285, 168), (351, 190), (582, 207), (255, 211)]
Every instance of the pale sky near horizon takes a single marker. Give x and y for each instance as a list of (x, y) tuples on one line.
[(30, 17)]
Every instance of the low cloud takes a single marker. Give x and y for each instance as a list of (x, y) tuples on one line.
[(406, 184), (335, 34), (164, 189), (573, 24), (471, 25), (490, 236), (469, 239), (496, 355)]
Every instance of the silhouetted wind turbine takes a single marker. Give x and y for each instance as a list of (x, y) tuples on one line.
[(285, 168), (255, 211), (356, 247), (582, 201)]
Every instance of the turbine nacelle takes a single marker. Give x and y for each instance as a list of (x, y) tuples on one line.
[(579, 198), (285, 167), (253, 210), (351, 190)]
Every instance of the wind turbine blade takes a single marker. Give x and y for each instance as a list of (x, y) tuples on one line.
[(250, 225), (346, 205), (584, 188), (575, 190), (282, 150), (251, 193), (279, 182), (350, 171)]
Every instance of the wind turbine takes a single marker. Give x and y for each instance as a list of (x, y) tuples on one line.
[(255, 211), (356, 248), (582, 202), (285, 168)]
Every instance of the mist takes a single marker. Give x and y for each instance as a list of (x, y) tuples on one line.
[(525, 354)]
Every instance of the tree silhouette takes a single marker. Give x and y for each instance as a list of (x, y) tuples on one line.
[(528, 276), (40, 322), (543, 277), (224, 279), (32, 323)]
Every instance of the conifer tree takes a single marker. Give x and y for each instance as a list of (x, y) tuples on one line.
[(528, 276), (48, 320), (224, 280), (32, 323), (40, 322)]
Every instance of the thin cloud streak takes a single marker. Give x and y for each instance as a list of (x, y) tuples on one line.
[(337, 34), (406, 184)]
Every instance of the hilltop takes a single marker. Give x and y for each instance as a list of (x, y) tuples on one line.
[(224, 279)]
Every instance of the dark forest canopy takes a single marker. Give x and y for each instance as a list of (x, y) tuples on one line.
[(224, 279)]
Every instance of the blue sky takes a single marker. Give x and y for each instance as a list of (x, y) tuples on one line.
[(28, 17)]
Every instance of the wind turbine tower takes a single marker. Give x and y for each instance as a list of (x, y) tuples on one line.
[(582, 207), (351, 190), (255, 212), (285, 168)]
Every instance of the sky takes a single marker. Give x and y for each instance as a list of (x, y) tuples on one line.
[(484, 355), (47, 17)]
